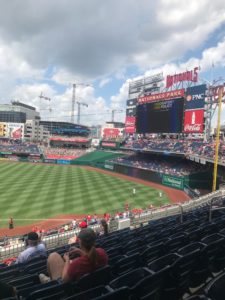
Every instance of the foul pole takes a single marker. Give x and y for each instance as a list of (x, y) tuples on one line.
[(217, 139)]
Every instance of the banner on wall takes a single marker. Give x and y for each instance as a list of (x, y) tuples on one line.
[(15, 130), (193, 121), (162, 96), (2, 129), (130, 124), (173, 181), (195, 97), (112, 132)]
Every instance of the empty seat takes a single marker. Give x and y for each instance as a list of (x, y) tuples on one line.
[(122, 293), (164, 266), (90, 294), (25, 281), (127, 264), (216, 289), (152, 253), (101, 276), (215, 249)]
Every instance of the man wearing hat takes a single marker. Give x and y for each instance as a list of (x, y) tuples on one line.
[(34, 249)]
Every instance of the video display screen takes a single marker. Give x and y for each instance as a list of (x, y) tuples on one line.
[(160, 117)]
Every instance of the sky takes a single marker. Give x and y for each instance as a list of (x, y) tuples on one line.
[(101, 45)]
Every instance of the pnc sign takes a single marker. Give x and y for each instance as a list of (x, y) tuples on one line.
[(185, 76)]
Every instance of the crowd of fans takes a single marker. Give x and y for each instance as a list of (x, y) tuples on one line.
[(59, 151), (195, 147), (17, 146), (174, 166)]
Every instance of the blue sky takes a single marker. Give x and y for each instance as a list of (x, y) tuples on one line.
[(46, 46)]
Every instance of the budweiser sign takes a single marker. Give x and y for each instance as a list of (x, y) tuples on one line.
[(185, 76), (193, 121)]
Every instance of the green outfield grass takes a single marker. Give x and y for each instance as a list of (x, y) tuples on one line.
[(29, 191)]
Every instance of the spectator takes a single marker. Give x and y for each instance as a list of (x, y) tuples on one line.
[(83, 224), (90, 259), (74, 224), (34, 248), (103, 227)]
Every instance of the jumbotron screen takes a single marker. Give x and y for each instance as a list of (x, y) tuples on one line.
[(161, 116)]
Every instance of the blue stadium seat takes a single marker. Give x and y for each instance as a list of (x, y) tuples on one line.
[(101, 276), (164, 266), (216, 289), (127, 264), (215, 250), (90, 294), (25, 281), (122, 293), (152, 253)]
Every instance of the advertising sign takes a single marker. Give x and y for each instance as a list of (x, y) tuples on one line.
[(193, 121), (162, 96), (173, 181), (130, 124), (195, 97), (2, 129), (132, 102), (109, 144), (185, 76), (112, 132), (15, 130)]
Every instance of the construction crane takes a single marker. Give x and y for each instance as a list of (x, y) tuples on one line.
[(113, 113), (78, 113), (74, 99)]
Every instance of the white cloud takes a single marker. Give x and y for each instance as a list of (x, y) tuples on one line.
[(104, 82)]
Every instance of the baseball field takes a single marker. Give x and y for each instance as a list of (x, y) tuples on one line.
[(32, 192)]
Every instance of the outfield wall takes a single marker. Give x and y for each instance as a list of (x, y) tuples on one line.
[(184, 183)]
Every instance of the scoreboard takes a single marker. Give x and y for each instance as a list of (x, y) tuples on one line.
[(160, 116)]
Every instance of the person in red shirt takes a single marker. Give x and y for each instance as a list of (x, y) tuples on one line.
[(83, 224), (89, 259)]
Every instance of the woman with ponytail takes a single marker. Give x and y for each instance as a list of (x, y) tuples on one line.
[(88, 259)]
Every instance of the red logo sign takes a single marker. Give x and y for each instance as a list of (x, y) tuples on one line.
[(162, 96), (130, 124), (111, 132), (185, 76), (193, 121)]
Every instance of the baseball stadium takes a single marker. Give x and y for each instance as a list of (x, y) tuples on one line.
[(150, 191)]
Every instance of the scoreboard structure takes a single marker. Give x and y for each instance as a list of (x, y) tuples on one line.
[(178, 111)]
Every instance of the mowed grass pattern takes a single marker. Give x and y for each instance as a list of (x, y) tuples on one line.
[(29, 191)]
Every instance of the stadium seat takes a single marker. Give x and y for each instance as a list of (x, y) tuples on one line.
[(200, 271), (130, 279), (36, 267), (114, 251), (127, 264), (122, 293), (25, 281), (174, 243), (50, 292), (215, 249), (152, 253), (90, 294), (24, 292), (198, 297), (101, 276), (164, 266), (216, 289)]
